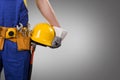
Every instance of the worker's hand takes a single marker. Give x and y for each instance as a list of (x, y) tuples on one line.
[(56, 42), (60, 35)]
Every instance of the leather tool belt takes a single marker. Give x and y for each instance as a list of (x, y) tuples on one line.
[(22, 37)]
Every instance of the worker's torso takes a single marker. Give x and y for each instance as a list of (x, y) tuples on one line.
[(13, 12)]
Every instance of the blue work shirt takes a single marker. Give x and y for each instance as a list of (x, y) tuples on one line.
[(13, 12)]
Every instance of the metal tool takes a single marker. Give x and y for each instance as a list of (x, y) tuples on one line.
[(19, 27), (25, 32)]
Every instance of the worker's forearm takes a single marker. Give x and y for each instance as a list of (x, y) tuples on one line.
[(47, 11)]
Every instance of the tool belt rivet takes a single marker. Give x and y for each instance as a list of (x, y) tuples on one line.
[(11, 33)]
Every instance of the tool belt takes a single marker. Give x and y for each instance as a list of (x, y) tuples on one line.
[(22, 37)]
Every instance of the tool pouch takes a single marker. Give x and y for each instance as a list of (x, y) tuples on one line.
[(1, 43), (23, 43), (2, 35)]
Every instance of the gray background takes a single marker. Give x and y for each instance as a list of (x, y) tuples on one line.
[(91, 49)]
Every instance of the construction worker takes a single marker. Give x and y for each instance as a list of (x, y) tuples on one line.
[(14, 13)]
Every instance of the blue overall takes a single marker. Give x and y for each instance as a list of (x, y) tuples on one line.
[(15, 63)]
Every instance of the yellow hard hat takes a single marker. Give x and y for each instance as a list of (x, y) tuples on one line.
[(43, 33)]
